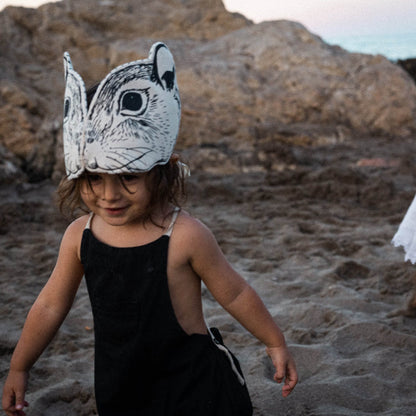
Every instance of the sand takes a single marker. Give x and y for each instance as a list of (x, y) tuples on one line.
[(313, 240)]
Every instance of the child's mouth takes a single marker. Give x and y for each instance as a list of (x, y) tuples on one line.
[(115, 211)]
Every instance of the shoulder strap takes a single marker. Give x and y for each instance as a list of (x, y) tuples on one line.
[(88, 225), (172, 223)]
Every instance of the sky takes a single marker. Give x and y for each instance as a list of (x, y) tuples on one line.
[(335, 17), (327, 18)]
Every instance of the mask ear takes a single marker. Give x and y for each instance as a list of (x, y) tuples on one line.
[(163, 66), (67, 65), (75, 110)]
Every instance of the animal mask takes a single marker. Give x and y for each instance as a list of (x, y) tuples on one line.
[(132, 122)]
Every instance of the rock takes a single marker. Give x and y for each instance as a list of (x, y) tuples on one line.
[(278, 73), (10, 171), (409, 65), (32, 42), (352, 270), (244, 87)]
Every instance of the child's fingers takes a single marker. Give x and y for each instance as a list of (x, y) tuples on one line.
[(15, 405), (20, 401), (289, 385), (279, 375), (278, 365), (286, 390), (8, 402), (291, 380), (285, 369)]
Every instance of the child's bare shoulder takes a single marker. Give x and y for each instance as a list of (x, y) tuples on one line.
[(74, 230), (192, 231), (188, 224)]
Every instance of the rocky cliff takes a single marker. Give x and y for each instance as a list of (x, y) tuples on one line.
[(248, 91)]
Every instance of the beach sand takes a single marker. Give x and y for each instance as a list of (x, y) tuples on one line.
[(314, 240)]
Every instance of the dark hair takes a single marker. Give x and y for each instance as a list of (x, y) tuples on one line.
[(91, 92), (166, 184)]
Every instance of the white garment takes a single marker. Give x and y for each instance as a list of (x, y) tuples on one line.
[(406, 234)]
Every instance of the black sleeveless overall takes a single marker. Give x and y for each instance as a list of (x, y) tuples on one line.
[(145, 363)]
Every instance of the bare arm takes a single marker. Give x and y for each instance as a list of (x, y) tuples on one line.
[(238, 298), (44, 319)]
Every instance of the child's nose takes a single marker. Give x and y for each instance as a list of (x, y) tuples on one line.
[(111, 189)]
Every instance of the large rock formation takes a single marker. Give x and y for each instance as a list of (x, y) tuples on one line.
[(246, 89)]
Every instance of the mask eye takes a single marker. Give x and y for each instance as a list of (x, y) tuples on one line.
[(67, 106), (133, 103)]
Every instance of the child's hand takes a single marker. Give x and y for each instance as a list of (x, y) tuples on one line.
[(14, 393), (285, 368)]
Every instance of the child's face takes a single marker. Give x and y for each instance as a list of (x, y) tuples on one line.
[(117, 199)]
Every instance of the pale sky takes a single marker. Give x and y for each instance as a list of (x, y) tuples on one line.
[(335, 17), (326, 18)]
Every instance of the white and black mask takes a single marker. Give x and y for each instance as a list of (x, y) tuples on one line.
[(132, 122)]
